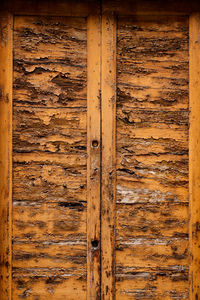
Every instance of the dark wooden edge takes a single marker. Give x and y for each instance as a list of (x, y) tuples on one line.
[(51, 7), (153, 8), (83, 8)]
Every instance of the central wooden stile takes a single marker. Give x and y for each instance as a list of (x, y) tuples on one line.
[(94, 157), (101, 106)]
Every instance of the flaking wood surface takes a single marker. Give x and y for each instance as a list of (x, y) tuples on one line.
[(6, 66), (49, 158), (152, 159)]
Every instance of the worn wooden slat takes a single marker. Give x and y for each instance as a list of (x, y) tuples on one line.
[(108, 153), (32, 216), (69, 253), (94, 156), (53, 283), (6, 31), (148, 220), (194, 144), (154, 285)]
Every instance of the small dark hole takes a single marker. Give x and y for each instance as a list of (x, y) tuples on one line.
[(95, 144), (95, 244)]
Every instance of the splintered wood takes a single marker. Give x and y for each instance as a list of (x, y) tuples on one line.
[(152, 159), (49, 154)]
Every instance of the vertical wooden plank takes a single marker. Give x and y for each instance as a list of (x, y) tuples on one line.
[(108, 154), (6, 25), (194, 156), (94, 156)]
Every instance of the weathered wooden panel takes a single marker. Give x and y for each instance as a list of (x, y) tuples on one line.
[(49, 253), (66, 220), (49, 158), (152, 283), (58, 131), (149, 220), (152, 159), (43, 283), (6, 65), (50, 61), (49, 178)]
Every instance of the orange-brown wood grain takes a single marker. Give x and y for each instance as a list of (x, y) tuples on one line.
[(194, 144), (152, 158), (49, 157), (99, 157), (94, 158), (6, 67), (108, 86)]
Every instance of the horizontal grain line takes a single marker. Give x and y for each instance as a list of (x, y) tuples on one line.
[(141, 87), (176, 268), (150, 203), (49, 242), (150, 241), (51, 107), (59, 275), (27, 202)]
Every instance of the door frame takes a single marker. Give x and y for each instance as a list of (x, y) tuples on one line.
[(101, 100)]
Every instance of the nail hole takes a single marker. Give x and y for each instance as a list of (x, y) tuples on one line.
[(95, 244), (95, 144)]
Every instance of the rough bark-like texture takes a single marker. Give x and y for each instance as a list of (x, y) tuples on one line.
[(49, 155), (152, 159)]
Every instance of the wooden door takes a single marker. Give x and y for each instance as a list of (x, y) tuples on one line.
[(49, 157), (99, 146), (152, 158)]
